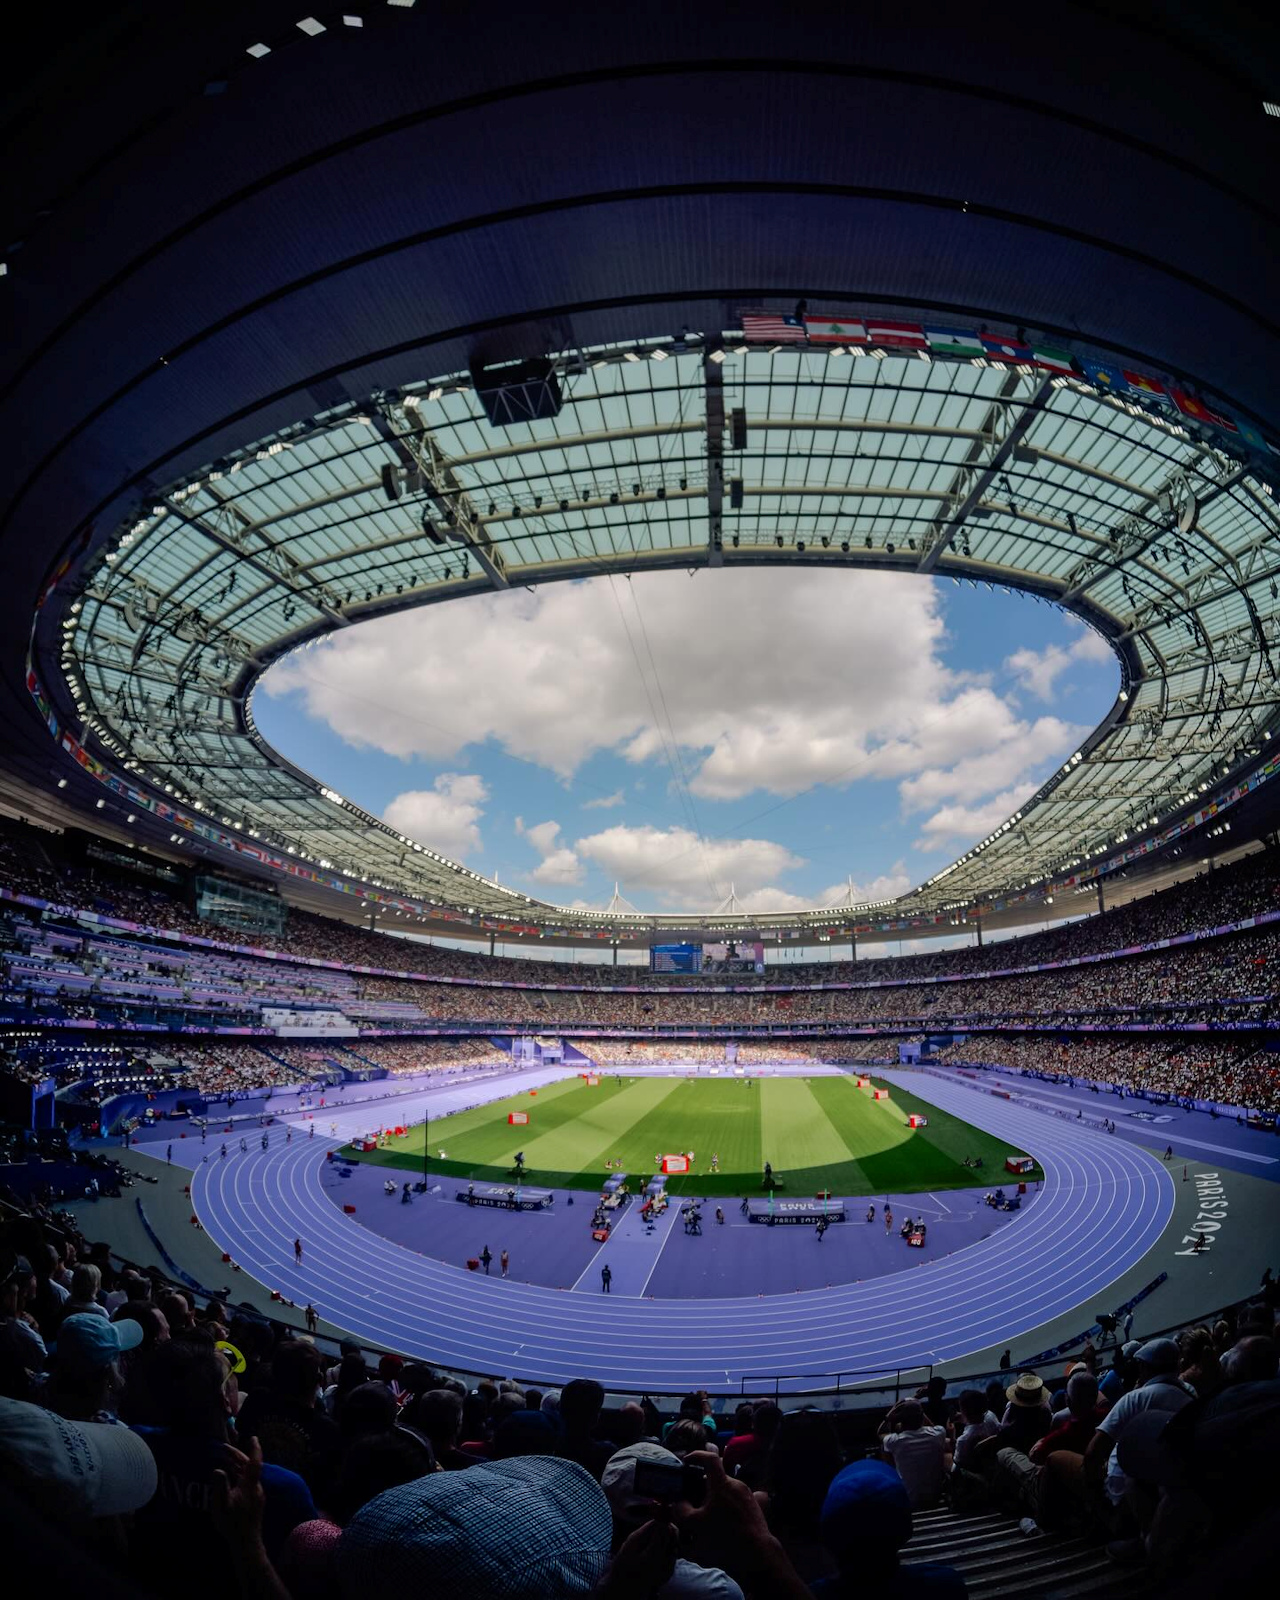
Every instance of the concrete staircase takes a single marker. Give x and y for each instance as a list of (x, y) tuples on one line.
[(1000, 1562)]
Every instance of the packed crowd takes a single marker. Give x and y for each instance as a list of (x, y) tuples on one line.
[(429, 1055), (143, 1434), (1194, 1068), (30, 864), (47, 970)]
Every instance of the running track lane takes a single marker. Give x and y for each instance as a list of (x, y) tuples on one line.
[(1103, 1205)]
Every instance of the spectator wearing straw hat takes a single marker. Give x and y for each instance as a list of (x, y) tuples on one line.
[(1027, 1417)]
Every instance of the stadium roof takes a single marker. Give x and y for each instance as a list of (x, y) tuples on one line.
[(696, 452), (229, 234)]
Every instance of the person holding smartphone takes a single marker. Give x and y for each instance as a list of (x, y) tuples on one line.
[(659, 1503)]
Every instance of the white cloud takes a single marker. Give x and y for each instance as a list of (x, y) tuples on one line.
[(960, 824), (559, 865), (769, 684), (766, 685), (1021, 753), (445, 817), (1038, 670), (673, 866)]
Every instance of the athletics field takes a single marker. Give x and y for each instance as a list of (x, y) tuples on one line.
[(818, 1133)]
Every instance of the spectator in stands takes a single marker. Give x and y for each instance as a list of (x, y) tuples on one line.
[(86, 1376), (22, 1350), (437, 1417), (86, 1282), (1205, 1481), (372, 1465), (50, 1297), (976, 1424), (1027, 1416), (803, 1457), (865, 1521), (1252, 1359), (580, 1405), (523, 1528), (745, 1453), (284, 1414), (1198, 1365), (629, 1425), (78, 1474), (918, 1450), (687, 1436), (523, 1433), (1023, 1480), (370, 1408), (632, 1511), (352, 1371), (1097, 1480), (190, 1386), (176, 1309)]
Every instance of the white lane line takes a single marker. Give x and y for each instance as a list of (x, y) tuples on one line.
[(934, 1198), (675, 1212)]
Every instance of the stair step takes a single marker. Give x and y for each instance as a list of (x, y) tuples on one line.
[(957, 1554), (1088, 1578), (951, 1519)]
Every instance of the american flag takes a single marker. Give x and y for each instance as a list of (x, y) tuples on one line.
[(771, 327)]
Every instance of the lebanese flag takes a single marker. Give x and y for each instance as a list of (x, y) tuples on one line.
[(1007, 350), (836, 330), (1141, 382), (899, 335), (1190, 406)]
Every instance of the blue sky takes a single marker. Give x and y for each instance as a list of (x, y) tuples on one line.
[(779, 731)]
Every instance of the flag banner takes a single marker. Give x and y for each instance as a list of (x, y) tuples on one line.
[(953, 341), (1143, 384), (1190, 406), (1052, 360), (1223, 421), (897, 335), (772, 327), (1250, 435), (835, 330), (1113, 379), (998, 349)]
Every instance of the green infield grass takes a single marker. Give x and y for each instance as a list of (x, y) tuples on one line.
[(818, 1133)]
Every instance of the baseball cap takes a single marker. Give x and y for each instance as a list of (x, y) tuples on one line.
[(88, 1341), (503, 1530), (866, 1504), (1130, 1350), (618, 1480), (90, 1469), (1161, 1355)]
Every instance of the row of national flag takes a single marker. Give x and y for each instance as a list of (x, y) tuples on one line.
[(872, 333)]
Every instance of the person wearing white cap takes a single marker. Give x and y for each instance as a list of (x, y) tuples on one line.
[(72, 1470), (631, 1510), (85, 1377)]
